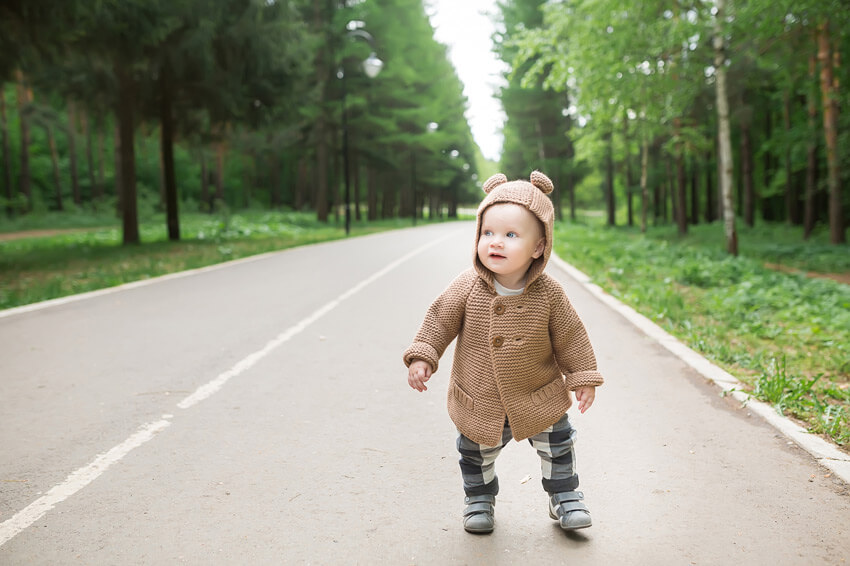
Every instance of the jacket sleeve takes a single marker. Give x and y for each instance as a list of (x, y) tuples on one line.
[(442, 322), (570, 342)]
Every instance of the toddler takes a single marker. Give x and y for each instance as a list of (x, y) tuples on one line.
[(521, 348)]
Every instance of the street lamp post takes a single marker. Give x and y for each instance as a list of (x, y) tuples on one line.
[(371, 67)]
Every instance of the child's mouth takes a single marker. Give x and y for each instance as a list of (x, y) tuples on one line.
[(497, 256)]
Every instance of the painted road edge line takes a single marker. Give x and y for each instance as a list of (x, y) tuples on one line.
[(76, 481), (158, 279), (82, 477), (826, 454)]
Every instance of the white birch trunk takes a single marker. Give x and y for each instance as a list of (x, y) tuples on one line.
[(724, 136)]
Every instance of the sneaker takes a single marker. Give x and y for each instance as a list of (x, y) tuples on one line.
[(478, 515), (567, 508)]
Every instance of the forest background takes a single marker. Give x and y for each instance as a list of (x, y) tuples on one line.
[(709, 132)]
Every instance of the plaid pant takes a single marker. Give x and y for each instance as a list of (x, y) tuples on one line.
[(555, 445)]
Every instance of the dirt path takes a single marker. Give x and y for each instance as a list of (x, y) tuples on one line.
[(5, 237), (840, 277)]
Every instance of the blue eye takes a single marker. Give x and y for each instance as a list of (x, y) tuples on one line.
[(512, 235)]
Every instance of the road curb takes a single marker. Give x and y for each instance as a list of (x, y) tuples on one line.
[(826, 453)]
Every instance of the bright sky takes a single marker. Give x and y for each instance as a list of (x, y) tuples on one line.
[(465, 26)]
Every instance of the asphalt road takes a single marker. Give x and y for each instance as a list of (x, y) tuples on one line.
[(259, 413)]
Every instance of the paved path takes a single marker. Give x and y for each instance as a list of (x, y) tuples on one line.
[(258, 413)]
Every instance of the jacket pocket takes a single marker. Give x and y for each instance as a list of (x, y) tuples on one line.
[(548, 391), (462, 397)]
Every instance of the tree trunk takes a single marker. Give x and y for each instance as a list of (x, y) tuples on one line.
[(747, 174), (101, 160), (388, 204), (609, 180), (829, 64), (275, 170), (557, 194), (694, 191), (407, 201), (25, 177), (54, 161), (119, 193), (452, 204), (126, 126), (94, 190), (218, 198), (629, 176), (681, 192), (656, 189), (249, 180), (669, 187), (72, 153), (724, 135), (166, 118), (571, 178), (301, 183), (371, 194), (629, 193), (768, 171), (205, 205), (710, 189), (644, 189), (321, 190), (355, 202), (334, 184), (792, 214), (809, 208), (7, 154)]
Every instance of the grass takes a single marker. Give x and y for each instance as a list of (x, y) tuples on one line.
[(786, 336), (47, 267)]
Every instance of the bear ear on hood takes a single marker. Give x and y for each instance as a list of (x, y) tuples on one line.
[(494, 181), (542, 182)]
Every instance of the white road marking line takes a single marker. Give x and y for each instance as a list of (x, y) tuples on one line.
[(76, 481), (87, 474), (211, 387)]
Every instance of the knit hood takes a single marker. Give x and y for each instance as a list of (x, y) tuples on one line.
[(533, 196)]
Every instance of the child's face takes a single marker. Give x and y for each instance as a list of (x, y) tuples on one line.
[(510, 239)]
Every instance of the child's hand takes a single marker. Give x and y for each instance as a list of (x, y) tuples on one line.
[(585, 397), (418, 373)]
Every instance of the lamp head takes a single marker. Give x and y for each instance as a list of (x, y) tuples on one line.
[(372, 66)]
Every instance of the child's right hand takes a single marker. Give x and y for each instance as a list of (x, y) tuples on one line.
[(418, 373)]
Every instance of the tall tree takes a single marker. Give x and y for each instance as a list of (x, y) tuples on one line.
[(724, 135), (828, 57)]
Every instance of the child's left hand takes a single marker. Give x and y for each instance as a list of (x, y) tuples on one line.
[(585, 397)]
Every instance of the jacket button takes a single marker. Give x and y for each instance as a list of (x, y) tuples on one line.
[(499, 309), (498, 341)]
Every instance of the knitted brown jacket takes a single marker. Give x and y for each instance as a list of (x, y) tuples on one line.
[(516, 356)]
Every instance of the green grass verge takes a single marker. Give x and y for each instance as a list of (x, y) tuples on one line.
[(786, 336), (46, 267)]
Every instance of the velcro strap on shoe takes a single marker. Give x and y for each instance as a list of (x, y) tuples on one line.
[(567, 496), (570, 506), (478, 507)]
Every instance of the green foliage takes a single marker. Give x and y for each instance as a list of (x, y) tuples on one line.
[(643, 73), (246, 81), (785, 334)]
